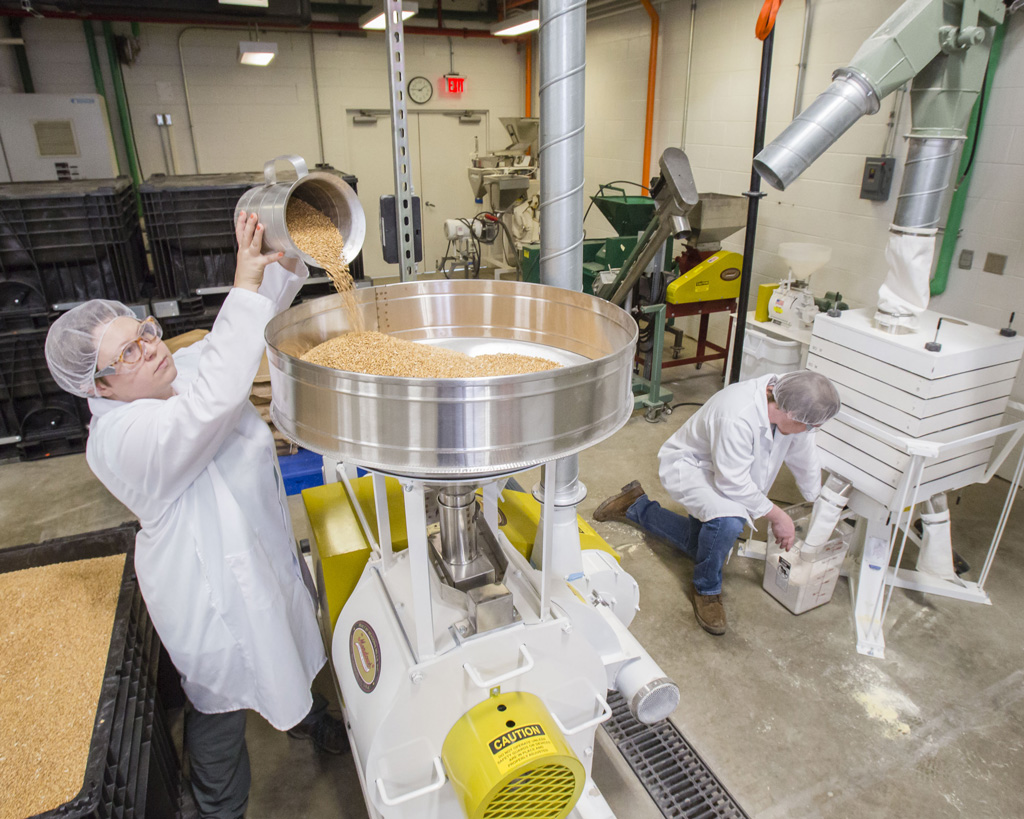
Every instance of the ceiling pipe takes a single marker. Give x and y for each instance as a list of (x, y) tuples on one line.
[(652, 73), (316, 25), (529, 77)]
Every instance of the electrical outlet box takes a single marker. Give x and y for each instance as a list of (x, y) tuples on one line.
[(389, 230), (966, 259), (877, 178), (995, 263)]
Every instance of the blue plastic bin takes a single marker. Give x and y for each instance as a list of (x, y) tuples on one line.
[(301, 471)]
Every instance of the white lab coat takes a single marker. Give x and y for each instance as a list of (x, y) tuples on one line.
[(724, 459), (215, 557)]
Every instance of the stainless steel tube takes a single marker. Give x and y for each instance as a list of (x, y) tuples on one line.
[(926, 177), (563, 27), (563, 52), (808, 136), (456, 510)]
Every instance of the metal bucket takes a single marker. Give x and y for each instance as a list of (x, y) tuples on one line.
[(324, 191), (462, 428)]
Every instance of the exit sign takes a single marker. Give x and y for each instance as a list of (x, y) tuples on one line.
[(456, 84)]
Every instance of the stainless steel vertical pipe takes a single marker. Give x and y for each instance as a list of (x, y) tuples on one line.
[(562, 37), (563, 48)]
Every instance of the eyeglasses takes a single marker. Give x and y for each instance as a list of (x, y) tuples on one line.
[(133, 355)]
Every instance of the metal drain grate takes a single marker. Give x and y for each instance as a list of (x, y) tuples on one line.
[(675, 776)]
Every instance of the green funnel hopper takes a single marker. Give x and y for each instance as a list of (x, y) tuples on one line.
[(628, 215)]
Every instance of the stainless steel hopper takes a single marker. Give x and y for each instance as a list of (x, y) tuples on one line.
[(459, 428)]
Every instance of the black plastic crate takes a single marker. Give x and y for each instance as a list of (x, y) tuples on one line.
[(48, 420), (189, 221), (62, 243)]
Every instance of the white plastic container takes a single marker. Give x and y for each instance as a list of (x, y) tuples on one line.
[(764, 354), (804, 577)]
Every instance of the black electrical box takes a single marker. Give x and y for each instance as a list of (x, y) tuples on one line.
[(389, 230), (877, 178)]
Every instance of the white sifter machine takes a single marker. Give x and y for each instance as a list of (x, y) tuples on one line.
[(475, 630), (923, 393)]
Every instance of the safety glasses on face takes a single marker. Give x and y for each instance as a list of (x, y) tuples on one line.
[(133, 355)]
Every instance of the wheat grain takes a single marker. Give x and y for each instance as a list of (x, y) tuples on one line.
[(316, 235), (379, 354), (55, 626)]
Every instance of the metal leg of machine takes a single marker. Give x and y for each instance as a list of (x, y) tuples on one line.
[(647, 391)]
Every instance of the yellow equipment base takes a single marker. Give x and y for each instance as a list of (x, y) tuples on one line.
[(342, 548)]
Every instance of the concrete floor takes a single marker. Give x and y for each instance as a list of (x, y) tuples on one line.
[(782, 708)]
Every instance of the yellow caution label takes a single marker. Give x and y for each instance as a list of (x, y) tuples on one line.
[(519, 746)]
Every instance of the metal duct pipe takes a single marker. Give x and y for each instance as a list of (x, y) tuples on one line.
[(562, 37), (563, 51), (926, 176), (808, 136)]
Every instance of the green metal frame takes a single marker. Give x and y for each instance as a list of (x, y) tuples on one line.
[(647, 393), (122, 111)]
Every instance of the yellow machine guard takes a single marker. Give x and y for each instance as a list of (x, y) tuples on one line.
[(342, 548), (717, 277), (507, 759)]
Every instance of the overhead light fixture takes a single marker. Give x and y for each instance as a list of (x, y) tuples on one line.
[(260, 4), (516, 25), (374, 19), (256, 53)]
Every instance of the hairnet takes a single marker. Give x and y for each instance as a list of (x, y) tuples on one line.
[(73, 344), (807, 397)]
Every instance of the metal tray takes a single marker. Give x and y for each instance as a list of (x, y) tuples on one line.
[(461, 428)]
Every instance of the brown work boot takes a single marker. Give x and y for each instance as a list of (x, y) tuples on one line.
[(710, 612), (614, 508)]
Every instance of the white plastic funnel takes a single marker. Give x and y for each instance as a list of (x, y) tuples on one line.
[(805, 258)]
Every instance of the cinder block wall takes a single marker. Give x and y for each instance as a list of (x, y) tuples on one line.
[(824, 204), (243, 116)]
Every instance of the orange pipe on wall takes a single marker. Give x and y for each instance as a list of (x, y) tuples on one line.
[(652, 71), (529, 76)]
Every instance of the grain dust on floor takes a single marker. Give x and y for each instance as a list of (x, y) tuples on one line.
[(55, 627)]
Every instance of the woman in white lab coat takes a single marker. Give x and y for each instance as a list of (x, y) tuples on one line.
[(176, 440), (720, 466)]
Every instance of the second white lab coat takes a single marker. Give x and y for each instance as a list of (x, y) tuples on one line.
[(725, 458), (215, 557)]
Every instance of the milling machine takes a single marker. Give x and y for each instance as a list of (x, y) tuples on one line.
[(793, 303), (506, 187), (475, 630)]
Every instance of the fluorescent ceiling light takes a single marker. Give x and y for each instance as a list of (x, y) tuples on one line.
[(519, 24), (374, 19), (261, 4), (250, 53)]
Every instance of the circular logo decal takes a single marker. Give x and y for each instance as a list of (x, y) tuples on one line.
[(364, 651), (730, 274)]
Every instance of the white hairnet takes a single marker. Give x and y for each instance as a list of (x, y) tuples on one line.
[(73, 344), (807, 397)]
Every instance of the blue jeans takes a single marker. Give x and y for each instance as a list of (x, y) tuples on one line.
[(706, 543)]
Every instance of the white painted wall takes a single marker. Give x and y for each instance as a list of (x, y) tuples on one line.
[(243, 116), (824, 204)]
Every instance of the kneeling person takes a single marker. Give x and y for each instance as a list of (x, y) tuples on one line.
[(721, 464)]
